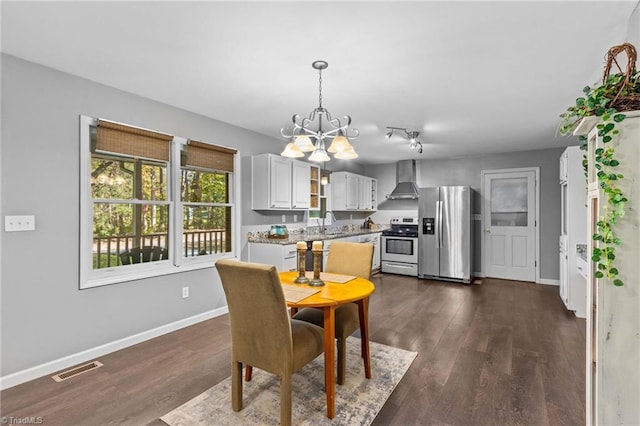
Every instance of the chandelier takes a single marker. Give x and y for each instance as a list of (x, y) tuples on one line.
[(412, 135), (309, 136)]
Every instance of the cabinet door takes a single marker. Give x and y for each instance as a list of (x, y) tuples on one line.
[(280, 182), (352, 192), (300, 178), (364, 193), (564, 278), (339, 191), (376, 252)]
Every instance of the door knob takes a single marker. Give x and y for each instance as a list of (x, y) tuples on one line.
[(487, 230)]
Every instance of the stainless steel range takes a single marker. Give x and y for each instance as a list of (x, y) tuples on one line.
[(400, 247)]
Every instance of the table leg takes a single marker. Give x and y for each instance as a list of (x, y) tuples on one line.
[(329, 359), (363, 314)]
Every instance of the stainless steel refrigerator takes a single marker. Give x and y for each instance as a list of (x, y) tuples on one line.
[(444, 246)]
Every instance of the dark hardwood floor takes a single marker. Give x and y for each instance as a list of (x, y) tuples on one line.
[(499, 353)]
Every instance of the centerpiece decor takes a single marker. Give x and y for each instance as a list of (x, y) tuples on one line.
[(316, 249), (617, 93), (301, 246)]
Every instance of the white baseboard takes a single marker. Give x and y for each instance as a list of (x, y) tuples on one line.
[(90, 354), (544, 281), (549, 282)]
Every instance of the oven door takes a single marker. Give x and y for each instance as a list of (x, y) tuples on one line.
[(400, 249)]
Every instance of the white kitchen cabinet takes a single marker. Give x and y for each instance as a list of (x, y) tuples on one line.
[(300, 178), (283, 256), (367, 188), (573, 230), (375, 240), (613, 317), (279, 183), (353, 192)]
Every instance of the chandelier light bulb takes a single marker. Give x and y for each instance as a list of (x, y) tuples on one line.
[(339, 144), (348, 154), (292, 151), (319, 155), (303, 142)]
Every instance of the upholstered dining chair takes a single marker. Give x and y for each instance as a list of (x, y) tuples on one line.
[(347, 259), (262, 333)]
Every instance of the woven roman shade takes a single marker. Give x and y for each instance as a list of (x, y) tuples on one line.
[(204, 155), (135, 142)]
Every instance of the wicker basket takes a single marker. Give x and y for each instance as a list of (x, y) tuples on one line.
[(628, 96)]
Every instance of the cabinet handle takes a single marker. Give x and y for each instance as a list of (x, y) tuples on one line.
[(294, 206), (273, 205)]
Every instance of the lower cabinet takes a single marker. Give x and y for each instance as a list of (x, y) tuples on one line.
[(283, 256)]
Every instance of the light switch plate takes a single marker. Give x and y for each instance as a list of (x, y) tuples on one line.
[(19, 223)]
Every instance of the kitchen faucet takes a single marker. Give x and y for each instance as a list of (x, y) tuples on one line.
[(326, 215)]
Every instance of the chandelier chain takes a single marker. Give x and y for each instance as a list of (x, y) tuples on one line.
[(320, 87)]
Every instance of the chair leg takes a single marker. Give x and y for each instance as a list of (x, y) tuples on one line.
[(342, 360), (285, 400), (248, 370), (236, 385)]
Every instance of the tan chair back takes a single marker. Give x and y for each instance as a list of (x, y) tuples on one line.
[(350, 259), (260, 324)]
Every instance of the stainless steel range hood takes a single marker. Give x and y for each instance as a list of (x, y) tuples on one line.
[(406, 188)]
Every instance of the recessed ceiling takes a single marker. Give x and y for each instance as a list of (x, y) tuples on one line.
[(473, 77)]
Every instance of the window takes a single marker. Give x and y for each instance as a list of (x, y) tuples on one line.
[(204, 192), (151, 203)]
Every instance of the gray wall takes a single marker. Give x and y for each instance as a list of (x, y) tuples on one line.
[(467, 171), (44, 315)]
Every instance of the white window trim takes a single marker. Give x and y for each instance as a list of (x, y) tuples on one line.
[(177, 263)]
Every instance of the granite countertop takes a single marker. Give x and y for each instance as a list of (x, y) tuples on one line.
[(312, 234)]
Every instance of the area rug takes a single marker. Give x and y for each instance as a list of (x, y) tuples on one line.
[(358, 400)]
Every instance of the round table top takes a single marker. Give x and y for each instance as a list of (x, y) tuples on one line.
[(331, 293)]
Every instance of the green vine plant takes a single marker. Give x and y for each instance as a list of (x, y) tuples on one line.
[(598, 101), (606, 164)]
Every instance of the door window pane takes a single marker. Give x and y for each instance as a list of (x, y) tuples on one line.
[(509, 205)]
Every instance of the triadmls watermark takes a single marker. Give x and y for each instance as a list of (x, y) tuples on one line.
[(26, 420)]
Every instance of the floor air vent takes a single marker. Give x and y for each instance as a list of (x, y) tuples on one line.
[(76, 371)]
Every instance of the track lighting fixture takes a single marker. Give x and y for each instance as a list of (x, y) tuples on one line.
[(412, 135)]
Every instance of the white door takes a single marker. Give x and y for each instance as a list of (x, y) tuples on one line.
[(510, 221)]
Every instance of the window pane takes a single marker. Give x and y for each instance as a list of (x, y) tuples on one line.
[(119, 228), (204, 187), (509, 205), (115, 178), (206, 230)]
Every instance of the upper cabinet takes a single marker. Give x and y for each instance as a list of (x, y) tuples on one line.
[(353, 192), (278, 183)]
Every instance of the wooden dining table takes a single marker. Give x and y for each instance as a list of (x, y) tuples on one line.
[(328, 298)]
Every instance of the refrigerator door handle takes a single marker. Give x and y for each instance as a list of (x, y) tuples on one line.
[(438, 226)]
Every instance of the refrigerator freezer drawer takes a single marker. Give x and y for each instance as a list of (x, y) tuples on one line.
[(400, 268)]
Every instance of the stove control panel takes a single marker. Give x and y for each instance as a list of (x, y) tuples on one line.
[(404, 221)]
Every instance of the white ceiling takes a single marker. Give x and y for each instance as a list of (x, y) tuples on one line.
[(473, 77)]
